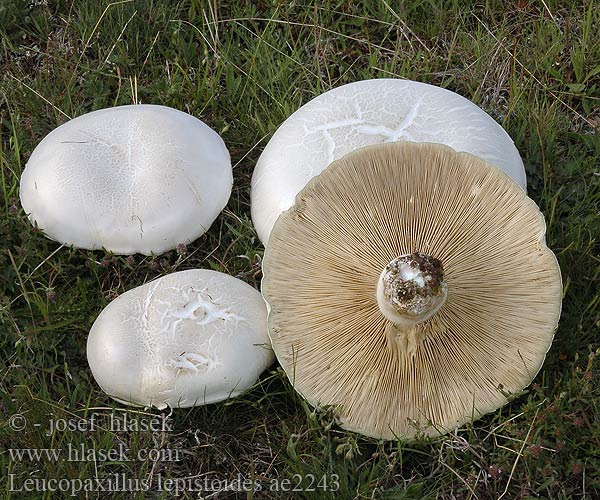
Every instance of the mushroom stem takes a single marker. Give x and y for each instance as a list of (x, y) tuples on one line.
[(411, 289)]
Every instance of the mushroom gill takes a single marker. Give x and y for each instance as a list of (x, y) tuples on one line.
[(410, 286)]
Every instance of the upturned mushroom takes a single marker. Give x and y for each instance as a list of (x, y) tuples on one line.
[(186, 339), (365, 113), (410, 286), (129, 179)]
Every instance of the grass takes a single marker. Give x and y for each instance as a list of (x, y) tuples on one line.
[(243, 68)]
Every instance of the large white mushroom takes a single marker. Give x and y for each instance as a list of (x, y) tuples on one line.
[(129, 179), (410, 288), (189, 338), (365, 113)]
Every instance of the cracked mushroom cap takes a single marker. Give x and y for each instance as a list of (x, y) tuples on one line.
[(140, 178), (186, 339), (365, 113), (410, 286)]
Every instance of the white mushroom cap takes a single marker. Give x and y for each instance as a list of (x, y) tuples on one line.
[(129, 179), (361, 114), (189, 338)]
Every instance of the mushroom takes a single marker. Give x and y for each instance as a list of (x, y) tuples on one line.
[(189, 338), (410, 286), (129, 179), (365, 113)]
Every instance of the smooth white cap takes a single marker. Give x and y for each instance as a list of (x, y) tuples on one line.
[(139, 178), (361, 114), (186, 339)]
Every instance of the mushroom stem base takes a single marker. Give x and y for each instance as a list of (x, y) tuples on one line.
[(411, 289)]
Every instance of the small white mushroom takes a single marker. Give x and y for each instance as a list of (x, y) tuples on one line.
[(362, 114), (129, 179), (190, 338)]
